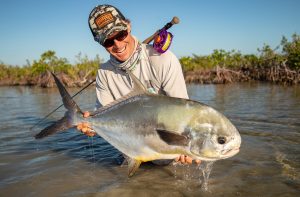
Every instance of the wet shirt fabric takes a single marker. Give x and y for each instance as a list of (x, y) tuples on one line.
[(159, 73)]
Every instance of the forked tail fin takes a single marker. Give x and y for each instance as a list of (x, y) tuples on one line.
[(67, 121)]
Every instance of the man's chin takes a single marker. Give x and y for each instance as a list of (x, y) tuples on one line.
[(121, 57)]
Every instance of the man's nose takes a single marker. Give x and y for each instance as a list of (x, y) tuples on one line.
[(117, 43)]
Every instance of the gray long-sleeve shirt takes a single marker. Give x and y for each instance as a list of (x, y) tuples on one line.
[(157, 72)]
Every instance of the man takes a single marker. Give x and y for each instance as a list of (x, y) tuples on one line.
[(159, 73)]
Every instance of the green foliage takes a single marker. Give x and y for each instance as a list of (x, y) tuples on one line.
[(49, 61), (7, 71), (270, 57), (229, 59), (267, 57), (186, 63), (219, 57), (84, 67), (202, 62), (291, 51)]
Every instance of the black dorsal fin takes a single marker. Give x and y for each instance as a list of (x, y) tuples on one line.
[(138, 89)]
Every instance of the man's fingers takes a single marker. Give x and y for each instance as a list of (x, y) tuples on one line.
[(182, 158), (84, 129), (79, 126), (86, 124), (189, 160), (186, 160), (90, 134)]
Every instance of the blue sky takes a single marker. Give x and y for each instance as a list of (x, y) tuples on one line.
[(29, 28)]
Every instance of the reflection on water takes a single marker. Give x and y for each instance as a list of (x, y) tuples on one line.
[(70, 164)]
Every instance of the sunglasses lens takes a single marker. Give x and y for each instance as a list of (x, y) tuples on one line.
[(108, 43), (120, 37)]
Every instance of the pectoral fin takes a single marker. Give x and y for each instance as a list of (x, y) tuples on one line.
[(133, 165), (173, 138)]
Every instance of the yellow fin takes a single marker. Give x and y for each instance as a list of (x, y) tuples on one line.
[(133, 165)]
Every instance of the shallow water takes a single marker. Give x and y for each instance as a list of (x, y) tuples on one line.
[(71, 164)]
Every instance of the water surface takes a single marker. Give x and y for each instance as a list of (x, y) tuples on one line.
[(71, 164)]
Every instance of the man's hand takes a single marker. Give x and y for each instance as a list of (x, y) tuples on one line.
[(85, 127), (186, 160)]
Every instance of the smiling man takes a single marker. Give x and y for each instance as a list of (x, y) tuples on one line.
[(159, 73)]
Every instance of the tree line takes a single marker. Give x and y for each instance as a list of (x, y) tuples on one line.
[(278, 65), (37, 73)]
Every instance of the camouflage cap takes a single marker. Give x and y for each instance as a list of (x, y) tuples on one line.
[(104, 20)]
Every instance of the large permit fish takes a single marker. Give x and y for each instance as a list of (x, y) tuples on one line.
[(146, 126)]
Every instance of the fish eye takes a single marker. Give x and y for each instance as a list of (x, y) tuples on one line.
[(221, 140)]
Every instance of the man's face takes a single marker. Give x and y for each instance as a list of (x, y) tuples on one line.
[(121, 50)]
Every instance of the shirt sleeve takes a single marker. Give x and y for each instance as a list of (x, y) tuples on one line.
[(172, 79), (103, 93)]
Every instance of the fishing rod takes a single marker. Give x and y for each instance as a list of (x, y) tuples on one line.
[(161, 44)]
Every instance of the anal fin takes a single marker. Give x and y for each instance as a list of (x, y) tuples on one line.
[(133, 165)]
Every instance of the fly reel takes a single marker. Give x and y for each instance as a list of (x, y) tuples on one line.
[(162, 41)]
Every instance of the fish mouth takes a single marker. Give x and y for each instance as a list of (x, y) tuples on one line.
[(227, 154), (231, 152)]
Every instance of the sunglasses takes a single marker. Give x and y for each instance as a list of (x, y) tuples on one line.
[(119, 37)]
